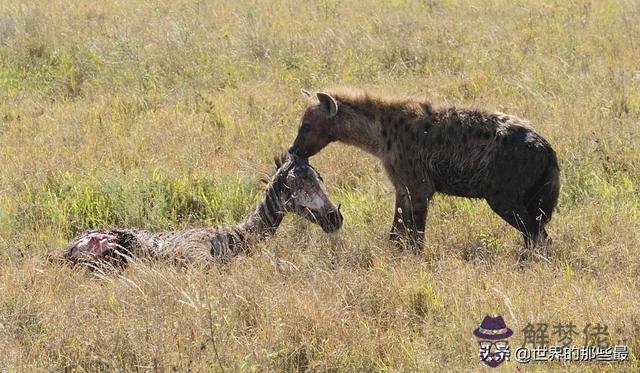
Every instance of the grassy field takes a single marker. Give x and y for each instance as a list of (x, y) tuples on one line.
[(164, 114)]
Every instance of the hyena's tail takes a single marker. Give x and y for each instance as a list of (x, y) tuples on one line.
[(542, 198)]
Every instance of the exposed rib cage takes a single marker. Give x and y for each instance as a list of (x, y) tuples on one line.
[(192, 245)]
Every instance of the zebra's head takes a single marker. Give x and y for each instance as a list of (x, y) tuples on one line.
[(305, 195)]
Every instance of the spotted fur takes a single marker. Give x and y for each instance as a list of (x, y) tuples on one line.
[(455, 151)]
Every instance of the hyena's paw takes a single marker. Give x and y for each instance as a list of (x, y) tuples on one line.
[(404, 241), (538, 249)]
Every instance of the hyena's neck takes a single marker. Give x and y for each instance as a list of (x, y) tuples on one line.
[(357, 127), (363, 122), (267, 216)]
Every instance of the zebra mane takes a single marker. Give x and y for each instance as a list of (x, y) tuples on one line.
[(278, 161), (281, 159)]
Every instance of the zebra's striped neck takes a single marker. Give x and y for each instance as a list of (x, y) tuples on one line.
[(268, 215)]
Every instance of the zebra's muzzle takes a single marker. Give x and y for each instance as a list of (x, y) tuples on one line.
[(333, 221)]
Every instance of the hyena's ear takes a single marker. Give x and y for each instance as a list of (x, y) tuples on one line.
[(306, 93), (328, 103)]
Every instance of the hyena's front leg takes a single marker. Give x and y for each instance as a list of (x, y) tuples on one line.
[(409, 219)]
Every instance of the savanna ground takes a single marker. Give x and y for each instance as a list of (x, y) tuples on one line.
[(164, 114)]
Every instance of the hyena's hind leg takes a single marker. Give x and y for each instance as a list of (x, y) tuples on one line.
[(518, 216), (541, 218), (542, 239)]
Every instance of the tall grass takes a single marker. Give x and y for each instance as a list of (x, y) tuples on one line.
[(164, 114)]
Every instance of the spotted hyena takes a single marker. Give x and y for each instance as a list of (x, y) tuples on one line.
[(424, 149)]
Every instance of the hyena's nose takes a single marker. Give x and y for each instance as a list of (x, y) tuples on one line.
[(292, 153), (296, 152)]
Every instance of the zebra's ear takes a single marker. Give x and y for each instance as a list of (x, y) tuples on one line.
[(306, 93), (328, 103)]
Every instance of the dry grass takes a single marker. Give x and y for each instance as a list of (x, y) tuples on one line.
[(162, 114)]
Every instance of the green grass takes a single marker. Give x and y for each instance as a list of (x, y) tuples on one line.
[(164, 114)]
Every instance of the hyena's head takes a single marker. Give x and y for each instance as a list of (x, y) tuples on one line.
[(317, 129)]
